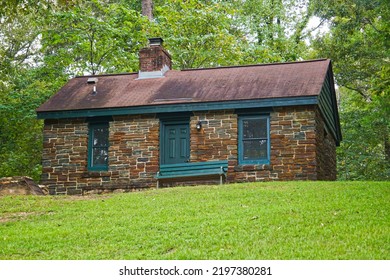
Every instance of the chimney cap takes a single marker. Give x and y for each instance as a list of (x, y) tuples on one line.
[(157, 41)]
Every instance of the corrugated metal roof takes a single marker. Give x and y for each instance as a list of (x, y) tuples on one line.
[(278, 80)]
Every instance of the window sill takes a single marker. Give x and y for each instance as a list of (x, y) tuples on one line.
[(252, 167), (96, 174), (97, 168)]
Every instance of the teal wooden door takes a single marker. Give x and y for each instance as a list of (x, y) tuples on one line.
[(175, 144)]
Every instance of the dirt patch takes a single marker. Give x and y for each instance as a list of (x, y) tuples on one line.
[(86, 197), (17, 216)]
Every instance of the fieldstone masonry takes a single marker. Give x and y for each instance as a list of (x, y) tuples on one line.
[(301, 149), (217, 140)]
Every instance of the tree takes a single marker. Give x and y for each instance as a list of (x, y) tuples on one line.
[(45, 42), (197, 33), (23, 87), (91, 37), (147, 9), (362, 155), (275, 29), (358, 44)]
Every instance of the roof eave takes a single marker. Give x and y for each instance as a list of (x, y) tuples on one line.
[(181, 107)]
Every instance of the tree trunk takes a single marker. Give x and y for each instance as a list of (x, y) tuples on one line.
[(147, 9), (387, 149)]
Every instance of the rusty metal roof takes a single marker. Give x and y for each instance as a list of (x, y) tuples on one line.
[(296, 79)]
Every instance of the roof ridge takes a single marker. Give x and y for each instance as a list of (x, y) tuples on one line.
[(256, 65), (211, 68), (108, 75)]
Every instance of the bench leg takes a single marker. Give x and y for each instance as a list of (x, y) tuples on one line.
[(220, 179), (158, 183)]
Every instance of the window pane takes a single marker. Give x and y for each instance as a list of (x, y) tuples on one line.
[(99, 156), (100, 137), (254, 128), (255, 149)]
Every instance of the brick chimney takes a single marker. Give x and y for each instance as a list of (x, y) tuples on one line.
[(154, 60)]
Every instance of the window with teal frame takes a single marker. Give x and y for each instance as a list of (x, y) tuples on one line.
[(98, 146), (253, 139)]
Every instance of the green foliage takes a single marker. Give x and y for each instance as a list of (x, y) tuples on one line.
[(14, 7), (215, 33), (44, 43), (365, 130), (22, 90), (275, 29), (198, 33), (20, 131), (295, 220), (358, 44), (93, 38)]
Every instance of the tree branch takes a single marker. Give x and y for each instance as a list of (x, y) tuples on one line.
[(360, 91)]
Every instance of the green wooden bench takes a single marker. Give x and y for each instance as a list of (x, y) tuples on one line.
[(193, 169)]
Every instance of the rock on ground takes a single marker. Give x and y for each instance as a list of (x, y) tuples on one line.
[(19, 185)]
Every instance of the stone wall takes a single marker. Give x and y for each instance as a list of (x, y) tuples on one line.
[(293, 149), (217, 140), (134, 151), (325, 151), (133, 156), (293, 143), (64, 159), (301, 149)]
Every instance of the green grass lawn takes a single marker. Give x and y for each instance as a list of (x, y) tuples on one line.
[(283, 220)]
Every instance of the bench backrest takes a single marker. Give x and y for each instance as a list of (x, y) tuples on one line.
[(193, 166)]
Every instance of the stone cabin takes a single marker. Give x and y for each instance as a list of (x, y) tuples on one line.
[(263, 122)]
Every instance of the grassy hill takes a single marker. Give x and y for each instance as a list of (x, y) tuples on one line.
[(281, 220)]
